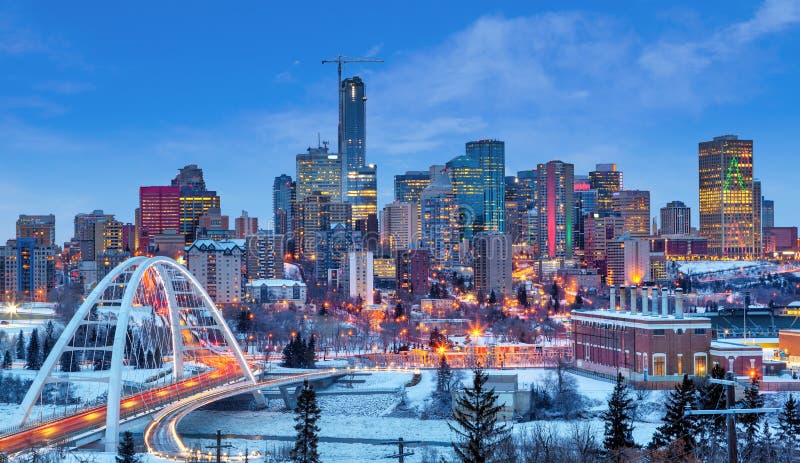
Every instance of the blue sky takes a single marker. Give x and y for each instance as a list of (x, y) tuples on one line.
[(97, 98)]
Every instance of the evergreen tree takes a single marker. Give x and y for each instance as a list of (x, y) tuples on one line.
[(307, 414), (789, 422), (33, 358), (21, 346), (522, 297), (310, 357), (444, 376), (399, 311), (126, 453), (619, 421), (492, 298), (677, 425), (49, 339), (751, 399), (69, 362), (712, 397), (7, 361), (476, 421)]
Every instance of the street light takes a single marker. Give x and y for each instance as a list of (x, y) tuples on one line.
[(12, 308)]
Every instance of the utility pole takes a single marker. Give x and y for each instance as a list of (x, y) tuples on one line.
[(401, 452), (218, 447), (340, 62), (730, 412)]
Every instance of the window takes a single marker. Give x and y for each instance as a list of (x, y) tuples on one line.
[(700, 365), (659, 365), (699, 331), (658, 332)]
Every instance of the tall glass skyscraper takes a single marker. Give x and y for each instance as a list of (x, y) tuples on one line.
[(492, 159), (363, 191), (554, 201), (607, 180), (408, 188), (318, 170), (466, 177), (353, 131), (283, 191)]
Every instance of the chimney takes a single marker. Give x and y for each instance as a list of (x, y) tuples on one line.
[(622, 298), (679, 303), (664, 302), (634, 295), (612, 303), (645, 295)]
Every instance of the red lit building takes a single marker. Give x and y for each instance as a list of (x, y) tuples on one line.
[(779, 239), (679, 246), (413, 267), (159, 211)]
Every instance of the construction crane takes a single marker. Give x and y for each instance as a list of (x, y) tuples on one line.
[(341, 60)]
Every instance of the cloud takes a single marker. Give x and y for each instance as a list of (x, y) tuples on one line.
[(374, 50), (64, 87)]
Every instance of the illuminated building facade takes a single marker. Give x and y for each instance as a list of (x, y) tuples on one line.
[(283, 199), (362, 191), (440, 221), (264, 254), (245, 225), (408, 188), (492, 160), (34, 268), (757, 226), (634, 208), (628, 261), (40, 227), (97, 232), (398, 226), (676, 219), (585, 201), (555, 205), (726, 196), (359, 276), (607, 180), (413, 268), (218, 266), (492, 264), (516, 218), (318, 170), (353, 132), (599, 231), (466, 177), (767, 213)]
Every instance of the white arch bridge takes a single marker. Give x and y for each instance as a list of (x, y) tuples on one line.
[(148, 335)]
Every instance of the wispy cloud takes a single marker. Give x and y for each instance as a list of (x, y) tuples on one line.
[(65, 87)]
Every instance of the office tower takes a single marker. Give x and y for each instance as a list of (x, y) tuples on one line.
[(634, 208), (757, 226), (585, 203), (398, 226), (676, 219), (97, 232), (331, 251), (40, 227), (515, 210), (526, 184), (467, 179), (492, 159), (492, 265), (246, 225), (363, 191), (283, 198), (214, 225), (195, 199), (598, 232), (628, 261), (413, 268), (318, 170), (408, 188), (726, 196), (159, 211), (554, 202), (359, 276), (767, 213), (264, 255), (34, 268), (8, 273), (439, 220), (130, 241), (607, 180), (218, 266), (353, 133)]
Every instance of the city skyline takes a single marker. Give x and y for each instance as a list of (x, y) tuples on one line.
[(56, 110)]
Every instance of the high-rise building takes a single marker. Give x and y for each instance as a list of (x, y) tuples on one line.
[(362, 191), (554, 201), (467, 180), (159, 211), (413, 268), (398, 226), (40, 227), (757, 226), (195, 200), (607, 180), (264, 255), (526, 184), (676, 219), (318, 170), (33, 267), (492, 159), (214, 225), (353, 130), (359, 276), (439, 220), (408, 188), (245, 225), (516, 217), (283, 199), (726, 196), (634, 208), (96, 233), (628, 261), (585, 203), (218, 266), (492, 264), (599, 231), (767, 213)]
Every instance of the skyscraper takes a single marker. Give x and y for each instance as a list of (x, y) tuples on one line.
[(767, 213), (585, 200), (363, 191), (439, 220), (492, 161), (676, 219), (40, 227), (634, 208), (283, 197), (493, 264), (466, 177), (318, 170), (554, 201), (159, 211), (607, 180), (757, 227), (398, 226), (195, 199), (245, 225), (408, 188), (353, 142), (726, 196)]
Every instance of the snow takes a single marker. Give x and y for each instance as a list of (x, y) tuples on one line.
[(695, 267)]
